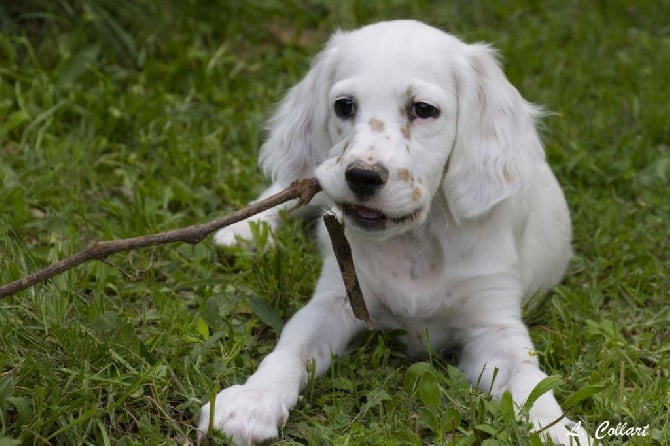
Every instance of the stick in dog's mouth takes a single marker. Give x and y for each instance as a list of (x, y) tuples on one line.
[(346, 263)]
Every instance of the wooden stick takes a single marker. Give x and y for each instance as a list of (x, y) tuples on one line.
[(346, 262), (303, 190)]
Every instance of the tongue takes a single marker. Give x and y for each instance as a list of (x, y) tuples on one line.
[(367, 213)]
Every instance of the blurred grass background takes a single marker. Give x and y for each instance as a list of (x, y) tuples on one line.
[(120, 118)]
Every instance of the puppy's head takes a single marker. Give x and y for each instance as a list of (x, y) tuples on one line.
[(396, 112)]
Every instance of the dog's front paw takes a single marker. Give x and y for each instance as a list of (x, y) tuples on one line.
[(230, 235), (569, 433), (246, 414), (259, 226)]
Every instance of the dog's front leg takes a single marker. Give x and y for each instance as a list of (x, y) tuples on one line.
[(503, 349), (252, 413)]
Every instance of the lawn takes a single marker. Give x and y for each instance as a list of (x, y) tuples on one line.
[(121, 118)]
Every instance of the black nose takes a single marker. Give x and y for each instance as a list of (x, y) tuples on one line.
[(365, 179)]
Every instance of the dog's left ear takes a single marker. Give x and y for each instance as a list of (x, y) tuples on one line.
[(496, 145), (297, 133)]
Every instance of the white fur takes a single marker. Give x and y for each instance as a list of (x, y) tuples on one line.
[(480, 220)]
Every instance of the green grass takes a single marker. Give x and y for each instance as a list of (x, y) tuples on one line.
[(120, 118)]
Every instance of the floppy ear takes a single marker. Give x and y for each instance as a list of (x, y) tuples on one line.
[(496, 144), (297, 133)]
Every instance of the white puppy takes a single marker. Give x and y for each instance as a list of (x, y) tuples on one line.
[(432, 158)]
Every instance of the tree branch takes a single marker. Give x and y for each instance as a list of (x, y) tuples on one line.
[(303, 190)]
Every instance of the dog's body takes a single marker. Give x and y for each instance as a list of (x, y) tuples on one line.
[(432, 159)]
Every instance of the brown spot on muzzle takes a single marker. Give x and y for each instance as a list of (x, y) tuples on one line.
[(416, 194), (406, 129), (376, 125), (403, 174)]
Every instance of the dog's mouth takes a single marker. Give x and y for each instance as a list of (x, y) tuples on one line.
[(369, 219)]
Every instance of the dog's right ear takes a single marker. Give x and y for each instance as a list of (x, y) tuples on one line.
[(298, 132), (497, 146)]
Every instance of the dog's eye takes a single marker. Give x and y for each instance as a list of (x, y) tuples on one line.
[(424, 110), (345, 108)]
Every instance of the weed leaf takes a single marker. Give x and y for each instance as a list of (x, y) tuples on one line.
[(429, 390), (77, 65), (266, 313), (507, 407), (546, 385), (582, 394)]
